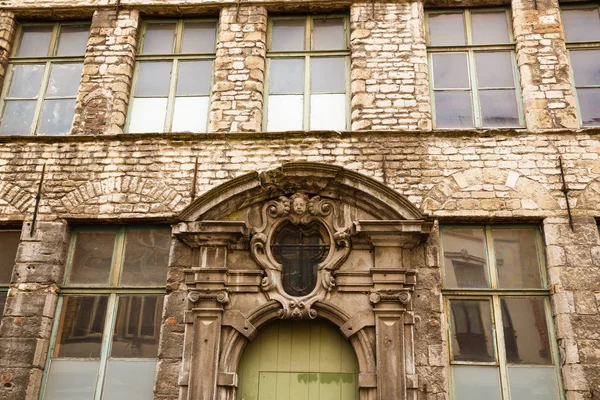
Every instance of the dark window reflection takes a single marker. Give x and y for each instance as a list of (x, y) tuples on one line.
[(92, 257), (146, 257), (9, 242), (471, 330)]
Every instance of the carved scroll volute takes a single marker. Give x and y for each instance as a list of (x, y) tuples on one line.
[(299, 209)]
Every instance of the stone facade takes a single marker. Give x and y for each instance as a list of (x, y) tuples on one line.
[(99, 175)]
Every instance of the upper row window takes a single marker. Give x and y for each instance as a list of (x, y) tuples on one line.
[(43, 79)]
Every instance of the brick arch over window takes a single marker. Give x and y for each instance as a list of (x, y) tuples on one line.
[(489, 190), (589, 199), (14, 199), (121, 195)]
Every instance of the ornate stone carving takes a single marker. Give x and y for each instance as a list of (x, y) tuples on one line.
[(220, 297), (299, 209), (377, 296)]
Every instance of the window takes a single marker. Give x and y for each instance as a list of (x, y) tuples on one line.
[(173, 77), (43, 79), (497, 306), (582, 32), (9, 242), (474, 82), (108, 318), (308, 66)]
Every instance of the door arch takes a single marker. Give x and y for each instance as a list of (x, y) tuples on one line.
[(298, 360)]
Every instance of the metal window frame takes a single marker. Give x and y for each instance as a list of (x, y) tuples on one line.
[(469, 48), (584, 45), (113, 290), (307, 53), (47, 61), (174, 57), (494, 295)]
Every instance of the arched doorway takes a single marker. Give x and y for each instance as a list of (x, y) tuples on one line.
[(298, 360)]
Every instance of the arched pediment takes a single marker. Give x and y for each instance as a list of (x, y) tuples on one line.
[(334, 182)]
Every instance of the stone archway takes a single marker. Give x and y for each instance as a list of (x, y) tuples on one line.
[(363, 283)]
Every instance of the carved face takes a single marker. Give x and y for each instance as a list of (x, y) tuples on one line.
[(299, 205)]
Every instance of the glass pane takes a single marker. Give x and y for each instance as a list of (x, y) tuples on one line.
[(148, 115), (525, 331), (489, 28), (499, 108), (328, 112), (64, 80), (81, 327), (532, 383), (194, 78), (589, 104), (446, 29), (476, 382), (153, 79), (137, 327), (57, 117), (2, 303), (517, 258), (285, 113), (17, 118), (159, 39), (129, 380), (288, 34), (581, 25), (586, 67), (453, 110), (494, 69), (71, 380), (286, 76), (328, 75), (199, 37), (35, 41), (450, 71), (328, 34), (73, 40), (191, 114), (471, 330), (26, 80), (92, 257), (146, 257), (9, 242)]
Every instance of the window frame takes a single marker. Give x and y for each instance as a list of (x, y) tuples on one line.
[(48, 61), (494, 295), (583, 45), (469, 48), (307, 55), (113, 290), (175, 58)]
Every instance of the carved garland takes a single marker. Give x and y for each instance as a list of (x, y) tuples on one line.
[(299, 209)]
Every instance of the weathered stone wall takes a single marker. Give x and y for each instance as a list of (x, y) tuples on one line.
[(8, 28), (390, 86)]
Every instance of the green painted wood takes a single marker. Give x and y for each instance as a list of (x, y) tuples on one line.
[(298, 360)]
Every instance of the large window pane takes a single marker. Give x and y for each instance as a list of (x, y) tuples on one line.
[(148, 115), (64, 80), (285, 113), (499, 108), (146, 257), (446, 29), (81, 327), (17, 117), (9, 243), (129, 380), (73, 40), (92, 257), (288, 35), (35, 41), (453, 110), (71, 380), (286, 76), (190, 114), (137, 327), (494, 69), (489, 28), (471, 330), (328, 111), (525, 331), (581, 25), (328, 34), (153, 79), (26, 80), (194, 78), (199, 37), (533, 383), (465, 258), (586, 67), (450, 71), (159, 39), (328, 74), (472, 382), (57, 117), (517, 258), (589, 105)]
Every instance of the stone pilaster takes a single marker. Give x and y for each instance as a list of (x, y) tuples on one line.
[(30, 307), (8, 28), (548, 96), (390, 86), (573, 261), (107, 73), (237, 96)]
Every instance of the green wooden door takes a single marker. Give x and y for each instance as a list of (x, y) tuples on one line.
[(298, 360)]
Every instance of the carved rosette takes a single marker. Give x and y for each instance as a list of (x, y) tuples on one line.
[(299, 209)]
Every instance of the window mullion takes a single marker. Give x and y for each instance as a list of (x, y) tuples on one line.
[(501, 348), (37, 114), (117, 260), (171, 99), (307, 77), (106, 343), (54, 40), (477, 119), (491, 257)]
